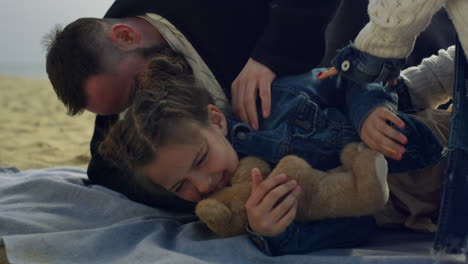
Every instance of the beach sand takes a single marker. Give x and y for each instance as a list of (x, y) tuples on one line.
[(35, 131)]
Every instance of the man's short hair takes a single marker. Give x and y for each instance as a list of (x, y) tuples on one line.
[(73, 55)]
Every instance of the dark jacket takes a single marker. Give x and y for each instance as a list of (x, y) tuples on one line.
[(285, 35)]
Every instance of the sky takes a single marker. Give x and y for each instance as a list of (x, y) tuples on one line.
[(23, 23)]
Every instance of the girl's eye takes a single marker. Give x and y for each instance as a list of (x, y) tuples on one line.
[(202, 159), (179, 187)]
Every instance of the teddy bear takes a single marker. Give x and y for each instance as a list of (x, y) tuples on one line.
[(357, 187)]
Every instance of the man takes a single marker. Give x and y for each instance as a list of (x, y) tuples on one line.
[(93, 64)]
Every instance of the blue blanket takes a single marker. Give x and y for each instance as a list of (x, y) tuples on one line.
[(51, 216)]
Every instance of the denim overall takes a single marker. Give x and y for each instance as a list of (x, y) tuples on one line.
[(306, 120), (452, 235)]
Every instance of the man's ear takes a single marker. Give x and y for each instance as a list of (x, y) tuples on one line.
[(217, 119), (125, 36)]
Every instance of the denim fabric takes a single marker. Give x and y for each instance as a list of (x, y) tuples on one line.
[(452, 235), (362, 67), (361, 99), (405, 104), (325, 234), (308, 119)]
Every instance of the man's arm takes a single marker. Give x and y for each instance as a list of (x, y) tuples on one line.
[(292, 42)]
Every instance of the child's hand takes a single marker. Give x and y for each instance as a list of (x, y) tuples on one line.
[(381, 137), (272, 205)]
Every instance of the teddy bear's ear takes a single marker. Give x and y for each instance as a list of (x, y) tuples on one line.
[(244, 169)]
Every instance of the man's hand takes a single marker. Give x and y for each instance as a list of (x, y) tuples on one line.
[(254, 77), (378, 135), (272, 205)]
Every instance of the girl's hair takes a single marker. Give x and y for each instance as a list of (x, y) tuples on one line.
[(167, 103)]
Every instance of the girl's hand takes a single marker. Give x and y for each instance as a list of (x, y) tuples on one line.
[(272, 205), (381, 137)]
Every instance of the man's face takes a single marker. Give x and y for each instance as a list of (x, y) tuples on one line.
[(110, 93)]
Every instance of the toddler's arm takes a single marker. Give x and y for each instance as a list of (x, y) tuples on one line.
[(380, 49), (429, 84), (394, 26), (371, 109), (378, 135)]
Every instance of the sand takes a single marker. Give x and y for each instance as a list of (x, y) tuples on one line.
[(35, 131)]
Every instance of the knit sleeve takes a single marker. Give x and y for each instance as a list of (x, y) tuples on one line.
[(430, 83), (394, 26), (293, 41)]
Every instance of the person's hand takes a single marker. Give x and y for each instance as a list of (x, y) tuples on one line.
[(328, 73), (378, 135), (272, 205), (254, 78)]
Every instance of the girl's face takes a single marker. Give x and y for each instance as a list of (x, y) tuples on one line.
[(195, 170)]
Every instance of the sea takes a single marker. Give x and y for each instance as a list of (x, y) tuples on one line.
[(24, 70)]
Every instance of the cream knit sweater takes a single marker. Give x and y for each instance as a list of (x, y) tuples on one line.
[(395, 24), (431, 82)]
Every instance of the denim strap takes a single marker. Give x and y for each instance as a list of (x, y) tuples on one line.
[(362, 67), (452, 236)]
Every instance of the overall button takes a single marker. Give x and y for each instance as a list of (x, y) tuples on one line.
[(241, 135), (345, 65)]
